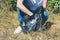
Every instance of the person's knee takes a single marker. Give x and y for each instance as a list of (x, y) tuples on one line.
[(46, 14)]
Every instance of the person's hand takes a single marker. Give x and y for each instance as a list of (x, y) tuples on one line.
[(44, 7), (30, 14)]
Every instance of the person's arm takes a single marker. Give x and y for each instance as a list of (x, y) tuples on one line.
[(23, 8), (45, 4)]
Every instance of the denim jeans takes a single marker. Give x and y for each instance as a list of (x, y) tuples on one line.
[(21, 14)]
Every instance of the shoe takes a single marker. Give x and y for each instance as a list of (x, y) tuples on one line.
[(18, 30)]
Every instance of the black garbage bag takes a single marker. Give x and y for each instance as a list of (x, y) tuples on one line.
[(30, 22)]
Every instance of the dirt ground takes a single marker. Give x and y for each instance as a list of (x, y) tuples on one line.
[(8, 23)]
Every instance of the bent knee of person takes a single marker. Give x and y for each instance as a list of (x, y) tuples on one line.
[(46, 14)]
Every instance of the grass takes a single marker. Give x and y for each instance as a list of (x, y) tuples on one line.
[(8, 23)]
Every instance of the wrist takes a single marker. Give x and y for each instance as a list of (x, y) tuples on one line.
[(44, 7)]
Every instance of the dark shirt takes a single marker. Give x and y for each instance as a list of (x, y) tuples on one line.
[(33, 4)]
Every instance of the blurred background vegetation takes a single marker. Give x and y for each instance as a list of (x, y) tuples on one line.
[(53, 5)]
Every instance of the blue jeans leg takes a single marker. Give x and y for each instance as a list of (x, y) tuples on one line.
[(20, 15), (45, 16)]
